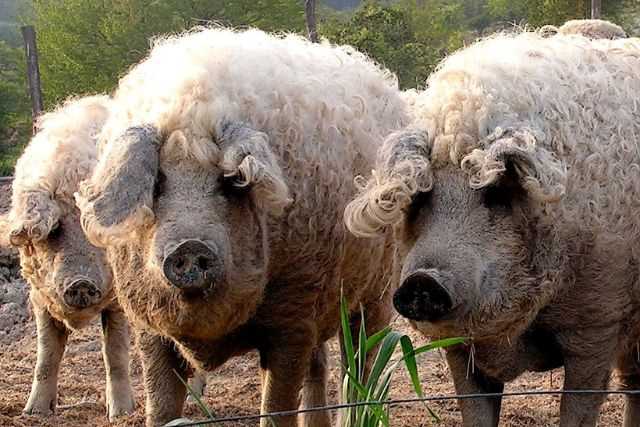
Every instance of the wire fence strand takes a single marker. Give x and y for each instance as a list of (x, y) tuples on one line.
[(394, 402)]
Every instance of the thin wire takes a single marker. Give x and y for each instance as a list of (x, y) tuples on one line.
[(408, 400)]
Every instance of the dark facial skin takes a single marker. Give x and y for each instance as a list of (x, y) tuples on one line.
[(463, 248), (192, 203), (71, 272)]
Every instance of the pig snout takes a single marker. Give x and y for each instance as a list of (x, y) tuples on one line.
[(192, 266), (422, 297), (81, 293)]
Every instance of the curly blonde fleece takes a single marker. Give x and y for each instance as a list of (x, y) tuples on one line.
[(564, 108), (593, 29), (42, 189), (194, 83)]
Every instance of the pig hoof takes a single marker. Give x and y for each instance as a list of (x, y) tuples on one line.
[(39, 409), (118, 409)]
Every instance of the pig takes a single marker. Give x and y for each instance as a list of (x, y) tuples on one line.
[(513, 199), (219, 193), (70, 279)]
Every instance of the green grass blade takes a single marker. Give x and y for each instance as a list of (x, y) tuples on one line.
[(375, 339), (364, 394), (203, 407), (347, 339), (362, 346), (410, 363), (447, 342), (381, 361)]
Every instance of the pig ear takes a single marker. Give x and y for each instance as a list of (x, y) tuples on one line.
[(247, 161), (403, 170), (34, 214), (118, 198), (539, 172)]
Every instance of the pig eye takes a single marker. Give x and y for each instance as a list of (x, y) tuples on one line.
[(158, 188), (419, 201), (504, 192), (55, 232), (230, 189), (496, 197)]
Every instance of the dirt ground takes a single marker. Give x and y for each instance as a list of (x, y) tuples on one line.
[(232, 390)]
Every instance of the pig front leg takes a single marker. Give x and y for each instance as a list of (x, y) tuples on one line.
[(484, 412), (314, 390), (52, 338), (285, 364), (585, 372), (164, 390), (115, 352)]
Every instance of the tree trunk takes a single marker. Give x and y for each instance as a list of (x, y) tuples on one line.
[(310, 13), (596, 9), (33, 72)]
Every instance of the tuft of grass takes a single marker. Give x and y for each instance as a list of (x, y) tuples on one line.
[(358, 387)]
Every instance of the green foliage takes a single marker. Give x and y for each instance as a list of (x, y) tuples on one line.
[(15, 120), (86, 45), (408, 37), (357, 386), (555, 12)]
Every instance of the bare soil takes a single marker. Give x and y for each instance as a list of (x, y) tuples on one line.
[(232, 390)]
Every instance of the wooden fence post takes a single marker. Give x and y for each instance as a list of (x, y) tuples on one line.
[(33, 72), (310, 13), (596, 9)]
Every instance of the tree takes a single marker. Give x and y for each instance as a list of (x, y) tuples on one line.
[(86, 45), (409, 37), (15, 118)]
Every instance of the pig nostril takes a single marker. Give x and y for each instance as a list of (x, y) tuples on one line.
[(203, 263), (180, 264)]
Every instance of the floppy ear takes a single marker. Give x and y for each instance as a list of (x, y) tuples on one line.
[(539, 172), (119, 195), (248, 161), (34, 214), (403, 170)]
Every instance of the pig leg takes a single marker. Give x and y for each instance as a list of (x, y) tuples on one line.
[(583, 372), (165, 392), (52, 338), (197, 384), (115, 352), (285, 365), (629, 366), (484, 412), (314, 391)]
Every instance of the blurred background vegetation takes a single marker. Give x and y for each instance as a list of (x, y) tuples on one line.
[(85, 45)]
